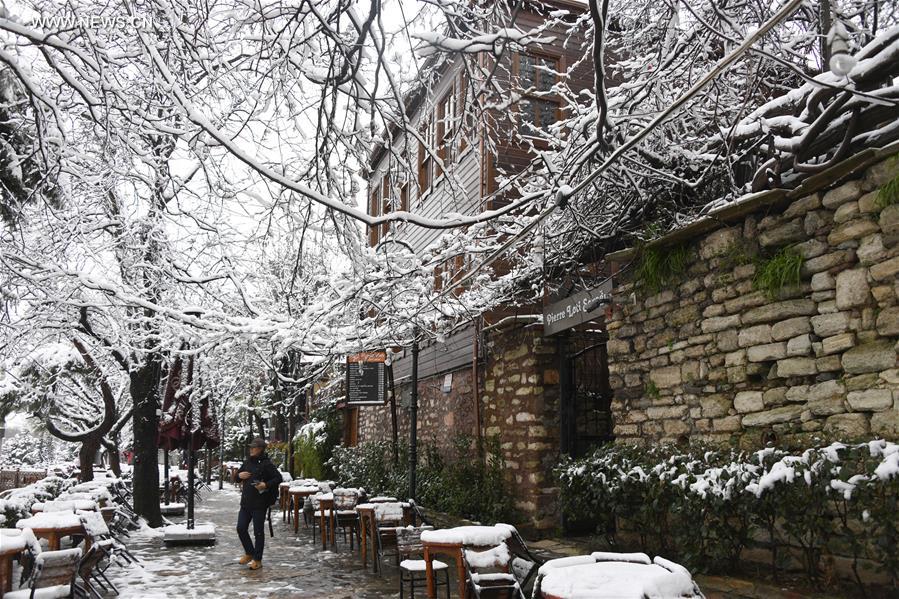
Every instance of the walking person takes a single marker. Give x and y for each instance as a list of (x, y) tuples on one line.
[(260, 480)]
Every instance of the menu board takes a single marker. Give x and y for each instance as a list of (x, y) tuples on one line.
[(366, 378)]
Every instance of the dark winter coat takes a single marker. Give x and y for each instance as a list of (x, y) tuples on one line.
[(261, 469)]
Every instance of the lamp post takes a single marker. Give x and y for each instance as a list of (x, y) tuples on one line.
[(413, 417)]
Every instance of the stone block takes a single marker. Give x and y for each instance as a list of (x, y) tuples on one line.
[(767, 352), (720, 323), (719, 242), (811, 248), (887, 270), (662, 412), (868, 202), (799, 346), (826, 390), (847, 426), (837, 343), (779, 311), (745, 301), (774, 416), (730, 424), (827, 325), (889, 220), (827, 262), (617, 347), (828, 364), (826, 407), (727, 340), (852, 288), (714, 406), (803, 205), (871, 250), (674, 428), (870, 357), (886, 424), (823, 281), (796, 394), (847, 192), (737, 358), (888, 322), (881, 173), (756, 335), (796, 367), (683, 315), (874, 400), (846, 212), (749, 401), (774, 397), (660, 298), (669, 376), (713, 310), (891, 376), (789, 232), (816, 221), (791, 327)]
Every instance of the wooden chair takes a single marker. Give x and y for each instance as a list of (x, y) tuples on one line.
[(385, 537), (488, 573), (53, 577), (412, 567), (345, 516)]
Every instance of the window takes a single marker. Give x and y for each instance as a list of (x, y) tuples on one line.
[(425, 161), (386, 204), (441, 133), (539, 106), (448, 272)]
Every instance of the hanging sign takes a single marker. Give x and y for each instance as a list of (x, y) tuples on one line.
[(579, 308), (366, 378)]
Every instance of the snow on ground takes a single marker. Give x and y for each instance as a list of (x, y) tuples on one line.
[(294, 565)]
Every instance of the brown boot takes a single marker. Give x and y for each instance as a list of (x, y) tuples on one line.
[(255, 565), (246, 559)]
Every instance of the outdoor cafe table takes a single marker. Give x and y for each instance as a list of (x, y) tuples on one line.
[(619, 580), (283, 499), (326, 506), (298, 496), (12, 543), (370, 514), (53, 526), (451, 541)]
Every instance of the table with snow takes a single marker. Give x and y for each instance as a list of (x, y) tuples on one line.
[(373, 512), (451, 542), (13, 542), (53, 526), (615, 576)]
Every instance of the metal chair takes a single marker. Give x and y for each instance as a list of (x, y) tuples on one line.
[(488, 573), (54, 577)]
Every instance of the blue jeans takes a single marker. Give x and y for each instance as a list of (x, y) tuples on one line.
[(243, 525)]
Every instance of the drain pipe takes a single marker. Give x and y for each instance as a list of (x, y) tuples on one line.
[(475, 386)]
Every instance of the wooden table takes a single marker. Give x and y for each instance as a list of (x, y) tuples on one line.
[(12, 543), (298, 496), (283, 500), (326, 506), (494, 534), (55, 534), (368, 526)]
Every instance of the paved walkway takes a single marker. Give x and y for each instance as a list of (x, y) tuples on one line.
[(294, 566)]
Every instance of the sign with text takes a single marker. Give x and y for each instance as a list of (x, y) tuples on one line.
[(579, 308), (366, 378)]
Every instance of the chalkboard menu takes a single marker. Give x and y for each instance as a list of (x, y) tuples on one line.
[(366, 378)]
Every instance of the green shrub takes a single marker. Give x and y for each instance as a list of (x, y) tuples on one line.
[(456, 482), (661, 267), (315, 442), (779, 272), (702, 506), (889, 193)]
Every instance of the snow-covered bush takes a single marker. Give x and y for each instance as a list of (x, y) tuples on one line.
[(17, 504), (705, 505), (315, 441)]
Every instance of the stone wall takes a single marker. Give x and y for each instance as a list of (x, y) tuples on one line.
[(441, 415), (521, 404), (711, 357)]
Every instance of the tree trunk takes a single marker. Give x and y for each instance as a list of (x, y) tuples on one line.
[(112, 450), (143, 387), (86, 455)]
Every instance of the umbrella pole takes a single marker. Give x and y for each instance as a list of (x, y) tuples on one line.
[(191, 481), (165, 474)]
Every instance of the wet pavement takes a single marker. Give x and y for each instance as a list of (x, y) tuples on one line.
[(293, 565)]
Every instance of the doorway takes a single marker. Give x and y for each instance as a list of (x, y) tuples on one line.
[(586, 396)]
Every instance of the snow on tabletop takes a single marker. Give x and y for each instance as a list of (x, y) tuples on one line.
[(66, 505), (55, 592), (14, 538), (607, 556), (618, 580), (491, 558), (475, 536), (566, 562), (50, 520), (305, 489), (381, 499)]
